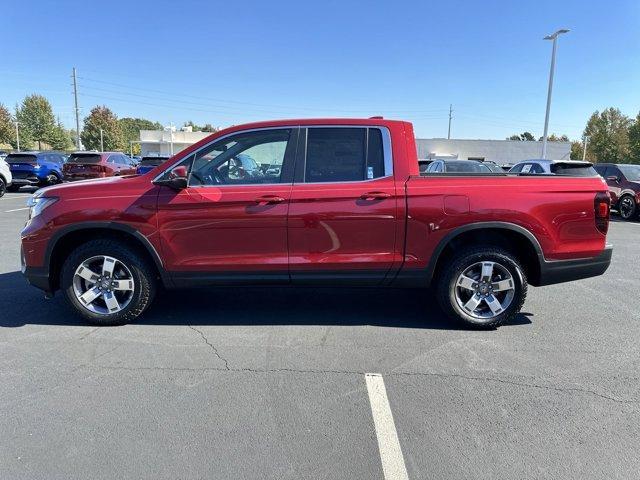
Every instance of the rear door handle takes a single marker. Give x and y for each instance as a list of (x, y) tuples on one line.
[(375, 195), (269, 199)]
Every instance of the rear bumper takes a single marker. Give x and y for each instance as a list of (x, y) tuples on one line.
[(559, 271)]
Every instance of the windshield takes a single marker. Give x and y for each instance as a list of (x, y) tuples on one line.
[(152, 161), (574, 170), (631, 172), (84, 158), (466, 166)]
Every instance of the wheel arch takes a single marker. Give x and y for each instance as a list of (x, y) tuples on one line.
[(68, 238), (514, 238)]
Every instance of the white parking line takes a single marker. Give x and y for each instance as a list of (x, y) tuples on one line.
[(16, 210), (393, 465)]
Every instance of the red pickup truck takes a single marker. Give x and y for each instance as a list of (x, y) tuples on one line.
[(323, 201)]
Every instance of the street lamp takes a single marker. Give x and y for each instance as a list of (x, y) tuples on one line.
[(554, 37)]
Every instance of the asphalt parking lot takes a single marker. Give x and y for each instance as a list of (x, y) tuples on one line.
[(270, 383)]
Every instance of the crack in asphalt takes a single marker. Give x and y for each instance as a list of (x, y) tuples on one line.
[(213, 348), (355, 372)]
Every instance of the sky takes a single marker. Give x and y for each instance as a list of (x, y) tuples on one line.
[(232, 62)]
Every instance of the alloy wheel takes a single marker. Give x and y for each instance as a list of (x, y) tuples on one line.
[(484, 290), (103, 285), (626, 207)]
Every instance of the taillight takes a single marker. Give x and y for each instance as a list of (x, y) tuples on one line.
[(601, 207)]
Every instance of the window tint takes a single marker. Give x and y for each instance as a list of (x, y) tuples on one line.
[(242, 159), (517, 168), (344, 154)]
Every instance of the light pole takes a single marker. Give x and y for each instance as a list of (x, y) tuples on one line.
[(101, 142), (554, 37)]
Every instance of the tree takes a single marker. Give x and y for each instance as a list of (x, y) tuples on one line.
[(102, 118), (554, 138), (131, 130), (634, 141), (524, 137), (197, 128), (576, 150), (7, 127), (60, 138), (36, 120), (608, 133)]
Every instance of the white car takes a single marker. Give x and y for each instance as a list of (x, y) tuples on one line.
[(573, 168), (5, 177)]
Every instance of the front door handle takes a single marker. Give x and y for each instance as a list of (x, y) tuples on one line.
[(375, 195), (269, 199)]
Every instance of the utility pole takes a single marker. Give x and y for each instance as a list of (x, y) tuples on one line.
[(554, 37), (75, 97), (584, 147), (17, 136), (101, 142), (450, 112)]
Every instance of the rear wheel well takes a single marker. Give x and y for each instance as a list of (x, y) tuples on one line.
[(70, 241), (512, 241)]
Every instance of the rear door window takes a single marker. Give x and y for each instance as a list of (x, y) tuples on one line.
[(348, 154)]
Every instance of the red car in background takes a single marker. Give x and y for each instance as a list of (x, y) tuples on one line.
[(86, 165), (624, 187)]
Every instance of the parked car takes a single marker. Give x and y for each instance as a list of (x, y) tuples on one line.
[(87, 165), (423, 163), (457, 166), (624, 187), (573, 168), (493, 166), (5, 177), (343, 210), (35, 169), (149, 163)]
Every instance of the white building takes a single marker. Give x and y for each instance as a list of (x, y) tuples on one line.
[(168, 141), (502, 152)]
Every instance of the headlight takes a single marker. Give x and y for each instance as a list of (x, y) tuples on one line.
[(38, 204)]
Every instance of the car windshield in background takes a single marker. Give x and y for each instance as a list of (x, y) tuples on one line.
[(84, 158), (494, 167), (631, 172), (152, 161), (466, 166), (573, 170), (20, 158)]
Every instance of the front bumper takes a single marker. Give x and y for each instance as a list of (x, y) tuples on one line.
[(559, 271)]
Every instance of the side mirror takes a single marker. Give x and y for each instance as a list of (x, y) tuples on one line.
[(177, 178), (613, 178)]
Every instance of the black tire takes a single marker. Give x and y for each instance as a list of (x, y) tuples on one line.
[(449, 292), (3, 187), (52, 179), (627, 207), (143, 274)]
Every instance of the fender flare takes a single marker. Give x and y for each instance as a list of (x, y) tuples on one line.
[(120, 227), (431, 266)]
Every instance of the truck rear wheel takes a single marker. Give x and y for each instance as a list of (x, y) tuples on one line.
[(483, 287), (107, 282)]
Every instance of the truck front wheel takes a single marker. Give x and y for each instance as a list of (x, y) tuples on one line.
[(482, 287), (107, 282)]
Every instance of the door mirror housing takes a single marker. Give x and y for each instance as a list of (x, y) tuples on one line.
[(613, 178), (176, 179)]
